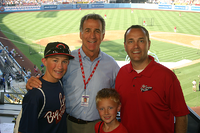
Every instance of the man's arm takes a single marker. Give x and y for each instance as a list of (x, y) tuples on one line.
[(181, 124), (33, 82)]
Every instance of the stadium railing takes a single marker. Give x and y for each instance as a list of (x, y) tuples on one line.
[(16, 67)]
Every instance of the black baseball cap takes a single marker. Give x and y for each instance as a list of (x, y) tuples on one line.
[(57, 48)]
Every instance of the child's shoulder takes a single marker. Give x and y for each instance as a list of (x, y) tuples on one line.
[(99, 123), (35, 93), (98, 126), (119, 129)]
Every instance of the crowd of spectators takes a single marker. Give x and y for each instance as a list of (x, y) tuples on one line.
[(51, 2), (45, 2)]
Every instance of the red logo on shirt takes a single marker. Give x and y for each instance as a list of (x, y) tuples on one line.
[(57, 115), (145, 88)]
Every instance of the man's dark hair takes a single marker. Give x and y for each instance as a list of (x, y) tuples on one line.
[(95, 17), (135, 27)]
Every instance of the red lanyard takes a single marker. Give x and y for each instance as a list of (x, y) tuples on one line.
[(82, 70)]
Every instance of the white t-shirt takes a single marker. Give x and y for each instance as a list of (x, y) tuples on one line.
[(194, 83)]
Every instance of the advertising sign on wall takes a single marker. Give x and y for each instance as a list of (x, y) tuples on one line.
[(69, 6), (47, 7), (181, 7), (164, 6), (82, 6), (195, 8), (97, 5), (20, 8)]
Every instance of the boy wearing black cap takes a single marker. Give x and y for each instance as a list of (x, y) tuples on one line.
[(44, 109)]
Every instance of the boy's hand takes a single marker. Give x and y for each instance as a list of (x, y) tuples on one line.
[(33, 82)]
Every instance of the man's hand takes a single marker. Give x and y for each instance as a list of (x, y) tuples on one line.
[(33, 82)]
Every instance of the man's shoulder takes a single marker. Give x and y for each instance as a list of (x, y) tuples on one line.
[(122, 129), (104, 54), (109, 61), (107, 57), (123, 71), (74, 52), (125, 67), (161, 67)]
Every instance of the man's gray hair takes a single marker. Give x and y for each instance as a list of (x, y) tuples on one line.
[(95, 17)]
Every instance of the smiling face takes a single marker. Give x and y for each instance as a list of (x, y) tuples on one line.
[(108, 110), (137, 45), (56, 67), (91, 36)]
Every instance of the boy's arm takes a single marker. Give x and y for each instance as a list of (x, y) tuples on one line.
[(33, 82), (32, 103)]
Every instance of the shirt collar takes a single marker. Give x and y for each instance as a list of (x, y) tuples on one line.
[(84, 56), (148, 71)]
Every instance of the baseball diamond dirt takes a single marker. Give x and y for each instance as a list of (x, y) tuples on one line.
[(73, 40)]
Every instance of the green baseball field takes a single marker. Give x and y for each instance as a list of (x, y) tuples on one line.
[(180, 51)]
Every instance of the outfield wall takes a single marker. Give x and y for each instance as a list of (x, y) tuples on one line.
[(4, 9)]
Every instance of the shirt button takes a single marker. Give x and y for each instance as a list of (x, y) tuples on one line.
[(133, 85)]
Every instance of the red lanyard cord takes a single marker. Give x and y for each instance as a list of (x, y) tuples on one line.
[(82, 70)]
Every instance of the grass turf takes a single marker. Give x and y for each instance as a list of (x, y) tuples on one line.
[(23, 28)]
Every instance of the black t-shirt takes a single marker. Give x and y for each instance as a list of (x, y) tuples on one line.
[(53, 116)]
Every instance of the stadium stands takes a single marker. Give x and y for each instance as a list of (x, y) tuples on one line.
[(12, 68)]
